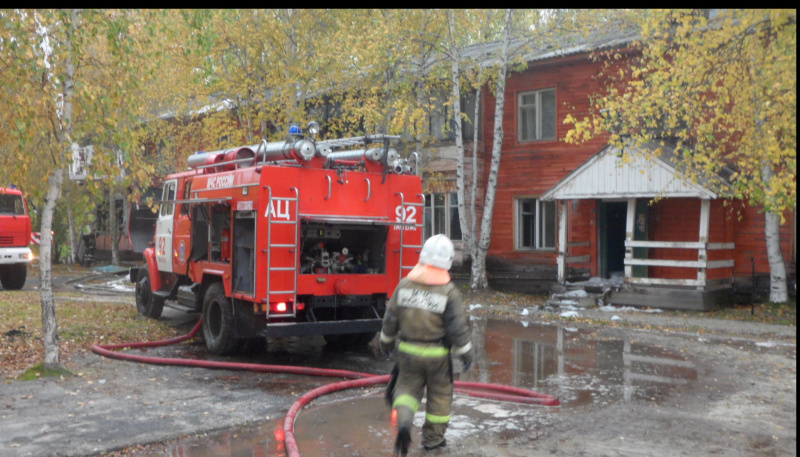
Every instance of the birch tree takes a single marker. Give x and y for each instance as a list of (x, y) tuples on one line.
[(478, 277), (454, 44), (69, 75), (726, 89), (535, 29)]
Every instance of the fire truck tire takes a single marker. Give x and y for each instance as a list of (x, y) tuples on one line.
[(147, 303), (219, 330), (14, 276)]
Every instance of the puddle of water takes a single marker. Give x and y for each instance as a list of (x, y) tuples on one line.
[(579, 367), (363, 427)]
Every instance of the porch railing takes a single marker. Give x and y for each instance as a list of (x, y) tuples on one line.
[(702, 264)]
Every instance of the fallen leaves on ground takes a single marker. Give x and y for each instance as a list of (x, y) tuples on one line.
[(81, 324)]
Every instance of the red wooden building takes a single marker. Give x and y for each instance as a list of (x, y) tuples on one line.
[(565, 213)]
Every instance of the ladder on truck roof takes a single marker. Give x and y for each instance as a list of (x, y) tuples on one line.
[(403, 224), (292, 247)]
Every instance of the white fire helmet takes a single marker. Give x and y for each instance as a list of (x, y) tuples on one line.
[(437, 252)]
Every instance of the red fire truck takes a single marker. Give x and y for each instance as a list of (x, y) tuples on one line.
[(15, 236), (290, 238)]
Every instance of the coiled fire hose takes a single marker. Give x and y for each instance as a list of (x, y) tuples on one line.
[(356, 379)]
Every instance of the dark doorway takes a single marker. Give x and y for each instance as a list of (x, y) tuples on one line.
[(612, 238)]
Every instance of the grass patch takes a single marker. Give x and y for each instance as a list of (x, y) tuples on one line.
[(81, 324), (39, 371), (767, 312)]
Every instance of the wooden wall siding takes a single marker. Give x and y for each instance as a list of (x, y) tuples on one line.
[(582, 228), (720, 232), (531, 168), (750, 240), (678, 219)]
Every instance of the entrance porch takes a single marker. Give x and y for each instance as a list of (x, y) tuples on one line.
[(649, 226)]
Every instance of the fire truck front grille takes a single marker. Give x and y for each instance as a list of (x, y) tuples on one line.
[(6, 240)]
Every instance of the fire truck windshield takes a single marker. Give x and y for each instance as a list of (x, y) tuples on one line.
[(11, 204)]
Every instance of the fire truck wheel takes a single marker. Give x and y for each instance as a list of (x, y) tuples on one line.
[(147, 303), (13, 277), (218, 322)]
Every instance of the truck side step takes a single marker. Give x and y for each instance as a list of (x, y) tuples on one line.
[(179, 307)]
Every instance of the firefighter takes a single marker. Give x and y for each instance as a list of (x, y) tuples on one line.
[(426, 314)]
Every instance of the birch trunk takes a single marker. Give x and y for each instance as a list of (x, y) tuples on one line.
[(777, 267), (479, 278), (73, 245), (466, 235), (55, 183), (49, 323), (113, 227), (474, 185)]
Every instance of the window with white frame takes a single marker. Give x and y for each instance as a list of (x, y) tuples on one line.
[(441, 215), (536, 224), (537, 115)]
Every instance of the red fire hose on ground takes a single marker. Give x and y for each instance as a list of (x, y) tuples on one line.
[(356, 379)]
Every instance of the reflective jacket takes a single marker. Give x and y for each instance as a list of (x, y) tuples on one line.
[(428, 314)]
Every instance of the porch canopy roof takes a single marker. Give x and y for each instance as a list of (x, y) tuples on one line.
[(605, 175)]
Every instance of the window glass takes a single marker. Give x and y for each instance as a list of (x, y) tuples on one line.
[(526, 220), (439, 221), (441, 215), (536, 224), (537, 115), (548, 224), (169, 195), (187, 190), (11, 204), (455, 224), (527, 123), (426, 231), (548, 98)]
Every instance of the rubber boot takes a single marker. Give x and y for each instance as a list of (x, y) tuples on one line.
[(437, 446), (402, 441)]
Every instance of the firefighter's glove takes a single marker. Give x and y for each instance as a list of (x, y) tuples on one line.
[(387, 345), (467, 358), (387, 348)]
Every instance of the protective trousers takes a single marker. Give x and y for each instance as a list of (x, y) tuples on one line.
[(420, 366)]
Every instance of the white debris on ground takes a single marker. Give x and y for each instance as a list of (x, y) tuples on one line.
[(524, 312), (474, 307), (121, 284), (625, 309), (580, 293), (570, 314), (471, 415), (615, 318), (616, 280), (571, 308), (772, 344)]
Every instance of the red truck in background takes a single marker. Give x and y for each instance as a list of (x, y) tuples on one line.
[(291, 238), (15, 236)]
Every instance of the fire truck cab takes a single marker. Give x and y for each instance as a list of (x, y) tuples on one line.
[(15, 236), (291, 238)]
